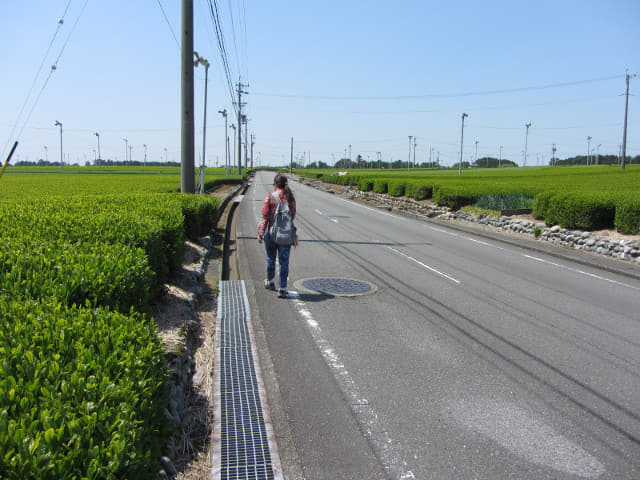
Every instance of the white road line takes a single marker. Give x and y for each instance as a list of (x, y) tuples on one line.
[(441, 230), (363, 411), (424, 265), (334, 220), (369, 208), (582, 272)]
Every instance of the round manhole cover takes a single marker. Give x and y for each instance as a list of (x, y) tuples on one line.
[(336, 286)]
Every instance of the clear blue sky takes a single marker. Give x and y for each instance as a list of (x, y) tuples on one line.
[(330, 74)]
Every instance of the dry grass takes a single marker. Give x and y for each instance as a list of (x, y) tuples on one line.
[(194, 462), (183, 326)]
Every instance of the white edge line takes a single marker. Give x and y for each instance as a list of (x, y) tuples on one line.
[(582, 272), (424, 265), (360, 406)]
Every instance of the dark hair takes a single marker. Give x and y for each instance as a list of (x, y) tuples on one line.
[(281, 182)]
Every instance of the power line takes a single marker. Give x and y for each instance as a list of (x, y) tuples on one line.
[(215, 18), (53, 68), (60, 23), (442, 95), (169, 24)]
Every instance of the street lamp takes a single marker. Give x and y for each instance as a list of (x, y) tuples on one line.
[(526, 138), (226, 142), (98, 136), (58, 124), (461, 143), (234, 139), (203, 61)]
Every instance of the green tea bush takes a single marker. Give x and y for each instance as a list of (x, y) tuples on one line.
[(627, 219), (82, 393), (453, 198), (586, 211), (365, 184), (541, 204), (397, 187), (380, 186), (200, 214), (113, 276), (419, 190)]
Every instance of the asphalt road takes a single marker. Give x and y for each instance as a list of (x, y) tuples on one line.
[(471, 359)]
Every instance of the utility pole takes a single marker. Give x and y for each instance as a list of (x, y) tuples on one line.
[(461, 143), (126, 149), (226, 142), (240, 105), (252, 144), (291, 158), (500, 157), (626, 111), (588, 148), (475, 155), (46, 154), (246, 139), (58, 124), (409, 159), (187, 164), (235, 130), (98, 135), (598, 154), (526, 139), (414, 151), (553, 154), (145, 154)]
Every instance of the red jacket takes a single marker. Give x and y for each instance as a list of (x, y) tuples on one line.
[(269, 210)]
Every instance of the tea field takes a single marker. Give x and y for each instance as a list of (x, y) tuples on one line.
[(588, 198), (83, 251)]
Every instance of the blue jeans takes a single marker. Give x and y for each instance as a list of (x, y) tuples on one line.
[(283, 260)]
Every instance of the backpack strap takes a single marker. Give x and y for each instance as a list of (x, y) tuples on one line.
[(278, 201)]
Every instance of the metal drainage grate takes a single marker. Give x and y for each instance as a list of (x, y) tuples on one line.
[(243, 440), (337, 286)]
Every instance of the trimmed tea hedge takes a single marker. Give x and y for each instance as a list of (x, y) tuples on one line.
[(575, 210), (82, 393), (82, 371), (593, 197), (628, 215)]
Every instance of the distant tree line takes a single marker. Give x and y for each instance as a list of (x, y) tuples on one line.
[(593, 160), (484, 162), (98, 163)]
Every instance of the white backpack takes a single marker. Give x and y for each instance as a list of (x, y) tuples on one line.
[(281, 227)]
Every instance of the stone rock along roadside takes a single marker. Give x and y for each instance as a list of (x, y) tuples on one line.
[(607, 243)]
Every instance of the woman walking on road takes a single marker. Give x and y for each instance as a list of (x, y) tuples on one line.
[(285, 197)]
